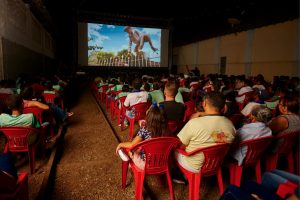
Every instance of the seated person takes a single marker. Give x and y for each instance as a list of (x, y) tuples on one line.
[(135, 97), (16, 118), (155, 126), (209, 129), (257, 128), (173, 109), (288, 120), (243, 87), (156, 96)]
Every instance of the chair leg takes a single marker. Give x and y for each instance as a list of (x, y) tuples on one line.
[(31, 156), (238, 175), (232, 173), (131, 127), (124, 173), (271, 162), (170, 185), (290, 162), (258, 172), (194, 186), (220, 181), (139, 181)]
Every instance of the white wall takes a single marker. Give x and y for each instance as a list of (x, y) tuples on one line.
[(270, 50), (22, 30)]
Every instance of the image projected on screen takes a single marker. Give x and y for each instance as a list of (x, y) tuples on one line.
[(124, 46)]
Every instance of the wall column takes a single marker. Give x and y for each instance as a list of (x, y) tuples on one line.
[(248, 52), (217, 54)]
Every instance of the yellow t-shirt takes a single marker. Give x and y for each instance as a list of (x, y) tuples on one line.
[(202, 132)]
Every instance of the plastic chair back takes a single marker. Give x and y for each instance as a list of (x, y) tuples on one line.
[(140, 110), (17, 141), (37, 112), (190, 107), (52, 98), (213, 158), (157, 154), (157, 151), (174, 126), (255, 149), (285, 144)]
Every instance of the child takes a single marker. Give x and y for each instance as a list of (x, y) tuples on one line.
[(155, 126)]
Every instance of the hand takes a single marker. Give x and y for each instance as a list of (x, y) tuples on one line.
[(118, 147)]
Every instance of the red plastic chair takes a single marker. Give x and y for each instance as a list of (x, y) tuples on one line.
[(39, 115), (174, 126), (108, 96), (17, 141), (103, 93), (213, 159), (113, 103), (140, 110), (157, 156), (255, 149), (21, 189), (37, 112), (190, 107), (51, 98), (118, 110), (286, 143)]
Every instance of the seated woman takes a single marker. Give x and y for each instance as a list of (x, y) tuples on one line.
[(257, 128), (288, 120), (155, 126)]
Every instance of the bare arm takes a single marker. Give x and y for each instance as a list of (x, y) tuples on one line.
[(197, 114), (278, 124), (135, 141), (38, 104)]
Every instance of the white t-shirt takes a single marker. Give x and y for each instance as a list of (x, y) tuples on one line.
[(135, 98)]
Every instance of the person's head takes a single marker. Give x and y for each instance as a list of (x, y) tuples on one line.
[(137, 84), (14, 102), (27, 93), (128, 29), (261, 114), (156, 121), (214, 101), (171, 89), (147, 87), (289, 104), (125, 88)]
